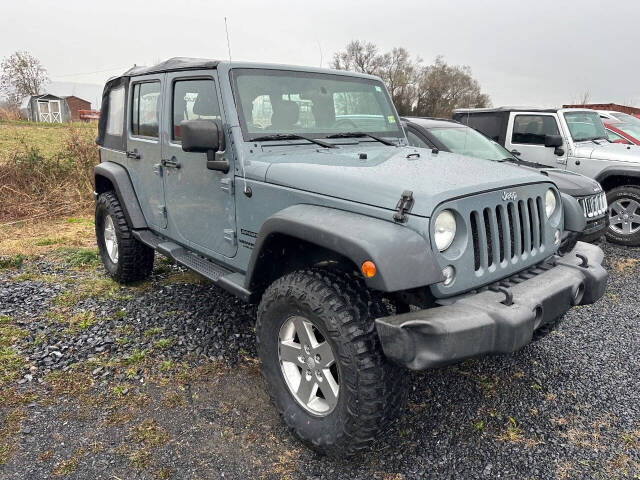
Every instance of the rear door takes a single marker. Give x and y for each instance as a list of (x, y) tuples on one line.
[(143, 146), (526, 137), (200, 202)]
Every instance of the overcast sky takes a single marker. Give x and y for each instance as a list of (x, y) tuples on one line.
[(536, 52)]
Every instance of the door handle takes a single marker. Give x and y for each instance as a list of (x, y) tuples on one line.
[(173, 163), (515, 152), (133, 154)]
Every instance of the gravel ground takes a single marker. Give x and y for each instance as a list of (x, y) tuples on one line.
[(160, 381)]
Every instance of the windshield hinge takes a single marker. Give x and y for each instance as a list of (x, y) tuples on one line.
[(404, 205)]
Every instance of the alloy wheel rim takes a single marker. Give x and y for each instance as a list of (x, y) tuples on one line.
[(308, 366), (110, 239), (624, 216)]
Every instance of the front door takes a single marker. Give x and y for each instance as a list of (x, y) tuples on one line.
[(200, 203), (143, 147), (528, 132)]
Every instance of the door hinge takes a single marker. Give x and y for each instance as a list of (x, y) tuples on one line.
[(157, 169), (404, 205), (230, 235), (163, 210), (227, 185)]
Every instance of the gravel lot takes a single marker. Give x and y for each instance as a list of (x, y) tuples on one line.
[(161, 381)]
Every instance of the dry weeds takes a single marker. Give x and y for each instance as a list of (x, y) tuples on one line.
[(36, 182)]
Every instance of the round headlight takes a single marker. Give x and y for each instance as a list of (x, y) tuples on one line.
[(445, 230), (550, 203)]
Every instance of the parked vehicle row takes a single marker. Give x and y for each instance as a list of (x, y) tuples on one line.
[(575, 140), (296, 189)]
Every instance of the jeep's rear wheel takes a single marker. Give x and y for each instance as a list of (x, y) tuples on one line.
[(125, 258), (624, 216), (323, 363)]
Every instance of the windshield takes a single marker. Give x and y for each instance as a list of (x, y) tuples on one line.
[(585, 126), (312, 104), (632, 130), (467, 141)]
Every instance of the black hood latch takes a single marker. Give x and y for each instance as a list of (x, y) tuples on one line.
[(404, 205)]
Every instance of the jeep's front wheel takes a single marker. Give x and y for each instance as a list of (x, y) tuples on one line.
[(624, 216), (323, 363), (125, 258)]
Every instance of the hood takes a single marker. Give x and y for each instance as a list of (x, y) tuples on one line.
[(573, 184), (604, 150), (386, 172)]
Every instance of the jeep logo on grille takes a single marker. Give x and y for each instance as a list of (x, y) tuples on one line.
[(509, 196)]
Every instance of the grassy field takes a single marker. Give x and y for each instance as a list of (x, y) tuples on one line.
[(47, 137)]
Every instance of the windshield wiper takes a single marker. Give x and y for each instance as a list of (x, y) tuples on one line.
[(291, 136), (360, 135), (590, 139), (522, 162)]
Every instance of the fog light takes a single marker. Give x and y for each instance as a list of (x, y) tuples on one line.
[(449, 273), (556, 237)]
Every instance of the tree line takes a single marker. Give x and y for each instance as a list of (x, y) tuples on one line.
[(415, 88)]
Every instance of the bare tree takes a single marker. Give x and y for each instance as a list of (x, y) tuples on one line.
[(416, 89), (358, 57), (443, 87), (398, 72), (21, 75)]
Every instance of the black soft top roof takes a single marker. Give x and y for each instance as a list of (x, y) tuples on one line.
[(174, 64)]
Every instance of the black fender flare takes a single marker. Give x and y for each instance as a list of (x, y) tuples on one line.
[(618, 172), (574, 220), (119, 178), (403, 258)]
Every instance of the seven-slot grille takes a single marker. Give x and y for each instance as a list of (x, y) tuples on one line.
[(594, 206), (510, 231)]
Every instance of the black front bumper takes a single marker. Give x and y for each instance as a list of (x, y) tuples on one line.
[(594, 229), (484, 323)]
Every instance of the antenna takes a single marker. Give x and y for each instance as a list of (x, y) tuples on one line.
[(228, 43), (246, 189)]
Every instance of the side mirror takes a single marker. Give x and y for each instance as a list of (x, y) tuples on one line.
[(205, 136), (200, 136), (552, 141)]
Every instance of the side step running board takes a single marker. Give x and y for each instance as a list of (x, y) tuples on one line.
[(224, 278)]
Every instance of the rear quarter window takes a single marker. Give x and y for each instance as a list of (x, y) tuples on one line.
[(115, 119)]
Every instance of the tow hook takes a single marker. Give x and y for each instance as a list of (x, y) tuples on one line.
[(585, 261), (508, 300)]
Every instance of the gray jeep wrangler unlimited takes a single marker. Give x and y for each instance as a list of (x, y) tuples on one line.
[(295, 188)]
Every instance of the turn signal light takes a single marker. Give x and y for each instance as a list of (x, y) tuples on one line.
[(368, 269)]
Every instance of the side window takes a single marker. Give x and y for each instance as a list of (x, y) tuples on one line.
[(193, 99), (115, 120), (415, 140), (532, 129), (145, 109)]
